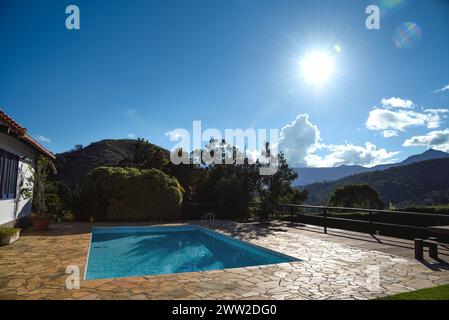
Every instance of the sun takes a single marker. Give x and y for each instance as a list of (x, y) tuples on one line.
[(317, 67)]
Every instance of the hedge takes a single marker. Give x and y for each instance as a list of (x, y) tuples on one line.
[(129, 194)]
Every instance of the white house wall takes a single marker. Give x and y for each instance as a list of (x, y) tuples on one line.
[(13, 209)]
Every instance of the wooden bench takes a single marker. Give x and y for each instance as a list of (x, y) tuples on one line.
[(442, 232), (430, 243)]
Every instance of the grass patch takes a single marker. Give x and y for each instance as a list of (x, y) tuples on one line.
[(435, 293)]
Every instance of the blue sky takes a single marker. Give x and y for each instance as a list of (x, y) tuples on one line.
[(143, 68)]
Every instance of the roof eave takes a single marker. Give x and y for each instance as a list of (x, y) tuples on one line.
[(40, 148)]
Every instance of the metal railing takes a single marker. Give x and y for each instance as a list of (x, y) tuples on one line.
[(403, 224), (373, 221), (208, 216)]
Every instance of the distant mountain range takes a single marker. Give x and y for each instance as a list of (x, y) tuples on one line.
[(308, 176), (418, 183)]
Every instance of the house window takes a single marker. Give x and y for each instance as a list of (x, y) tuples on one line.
[(9, 166)]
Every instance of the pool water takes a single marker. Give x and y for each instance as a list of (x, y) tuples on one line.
[(138, 251)]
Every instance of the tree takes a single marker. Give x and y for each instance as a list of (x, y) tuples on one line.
[(146, 156), (274, 187), (356, 196), (295, 196), (58, 197)]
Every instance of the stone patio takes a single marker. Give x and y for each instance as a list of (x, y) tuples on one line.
[(331, 267)]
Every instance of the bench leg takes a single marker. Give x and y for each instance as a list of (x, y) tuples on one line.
[(433, 251), (419, 249)]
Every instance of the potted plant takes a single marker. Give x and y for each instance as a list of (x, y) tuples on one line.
[(8, 235), (35, 189)]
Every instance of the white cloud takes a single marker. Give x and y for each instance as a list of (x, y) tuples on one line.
[(131, 136), (349, 154), (396, 115), (438, 140), (397, 103), (390, 133), (442, 89), (131, 113), (298, 140), (43, 138), (437, 110), (399, 120), (177, 134)]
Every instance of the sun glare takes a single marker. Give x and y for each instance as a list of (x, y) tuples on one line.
[(317, 67)]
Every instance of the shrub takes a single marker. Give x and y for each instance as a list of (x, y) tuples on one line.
[(8, 231), (65, 216), (440, 209), (129, 194), (356, 196)]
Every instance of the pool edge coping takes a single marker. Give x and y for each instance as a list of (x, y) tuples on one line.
[(88, 256), (192, 227)]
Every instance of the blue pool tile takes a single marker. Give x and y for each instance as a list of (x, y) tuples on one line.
[(136, 251)]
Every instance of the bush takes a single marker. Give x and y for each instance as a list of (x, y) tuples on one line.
[(65, 216), (356, 196), (441, 209), (129, 194), (8, 231)]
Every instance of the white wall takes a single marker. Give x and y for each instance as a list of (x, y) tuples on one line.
[(13, 209)]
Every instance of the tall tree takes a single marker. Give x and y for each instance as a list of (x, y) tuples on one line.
[(276, 186), (356, 196)]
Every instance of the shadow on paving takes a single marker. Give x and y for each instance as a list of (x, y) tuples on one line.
[(253, 230)]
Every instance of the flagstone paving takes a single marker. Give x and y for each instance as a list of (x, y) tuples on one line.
[(35, 268)]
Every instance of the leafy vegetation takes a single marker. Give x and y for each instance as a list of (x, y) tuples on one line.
[(435, 293), (8, 231), (356, 196), (129, 194), (74, 166), (36, 187), (118, 188), (420, 183), (439, 209)]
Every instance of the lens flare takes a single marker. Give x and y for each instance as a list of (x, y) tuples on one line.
[(390, 7), (391, 3), (338, 48), (407, 35)]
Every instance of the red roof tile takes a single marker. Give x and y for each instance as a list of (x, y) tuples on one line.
[(23, 135)]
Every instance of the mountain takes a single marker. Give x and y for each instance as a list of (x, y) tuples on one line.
[(421, 182), (311, 175), (73, 166), (428, 155)]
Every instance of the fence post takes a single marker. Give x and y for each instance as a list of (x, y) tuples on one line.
[(325, 220), (370, 217)]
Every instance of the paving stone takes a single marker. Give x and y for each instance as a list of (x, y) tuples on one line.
[(34, 268)]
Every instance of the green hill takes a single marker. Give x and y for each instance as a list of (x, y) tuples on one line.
[(422, 183), (73, 166)]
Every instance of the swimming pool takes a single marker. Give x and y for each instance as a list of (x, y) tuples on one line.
[(138, 251)]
